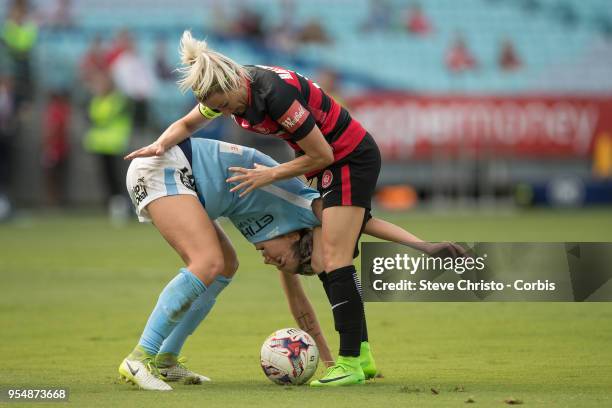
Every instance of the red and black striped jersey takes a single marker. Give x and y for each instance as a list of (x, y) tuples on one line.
[(288, 105)]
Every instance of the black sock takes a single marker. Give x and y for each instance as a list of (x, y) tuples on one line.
[(347, 307), (364, 328), (323, 277)]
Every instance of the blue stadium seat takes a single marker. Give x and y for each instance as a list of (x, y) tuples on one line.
[(391, 59)]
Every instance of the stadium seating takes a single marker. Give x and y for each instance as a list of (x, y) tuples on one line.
[(555, 54)]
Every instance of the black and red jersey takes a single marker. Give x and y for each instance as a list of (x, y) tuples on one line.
[(285, 104)]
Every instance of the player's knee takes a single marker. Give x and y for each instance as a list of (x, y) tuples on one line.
[(333, 260), (333, 263), (207, 269)]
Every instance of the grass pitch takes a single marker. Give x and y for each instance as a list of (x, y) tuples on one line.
[(76, 294)]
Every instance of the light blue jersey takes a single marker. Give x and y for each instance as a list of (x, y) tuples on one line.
[(263, 214)]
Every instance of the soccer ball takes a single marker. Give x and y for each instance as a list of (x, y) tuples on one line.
[(289, 356)]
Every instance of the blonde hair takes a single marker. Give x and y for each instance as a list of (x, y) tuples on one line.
[(206, 71)]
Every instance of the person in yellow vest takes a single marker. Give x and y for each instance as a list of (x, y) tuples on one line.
[(19, 34), (108, 138)]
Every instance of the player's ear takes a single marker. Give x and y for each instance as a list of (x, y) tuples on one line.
[(294, 236)]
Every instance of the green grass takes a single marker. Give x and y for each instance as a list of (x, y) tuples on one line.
[(76, 294)]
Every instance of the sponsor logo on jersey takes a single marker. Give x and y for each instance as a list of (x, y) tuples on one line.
[(294, 117), (253, 226), (230, 148), (140, 191), (326, 178)]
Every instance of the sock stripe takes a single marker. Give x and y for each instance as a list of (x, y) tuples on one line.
[(358, 284)]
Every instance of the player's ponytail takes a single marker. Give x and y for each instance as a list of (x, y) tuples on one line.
[(206, 71)]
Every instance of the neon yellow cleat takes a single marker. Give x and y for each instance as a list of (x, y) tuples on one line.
[(138, 368), (172, 368), (347, 371), (366, 359)]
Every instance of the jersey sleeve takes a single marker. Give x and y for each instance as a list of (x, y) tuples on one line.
[(286, 105), (207, 112)]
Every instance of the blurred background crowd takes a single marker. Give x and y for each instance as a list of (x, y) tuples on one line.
[(491, 103)]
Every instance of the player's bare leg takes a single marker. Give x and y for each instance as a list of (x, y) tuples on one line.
[(183, 222), (169, 362)]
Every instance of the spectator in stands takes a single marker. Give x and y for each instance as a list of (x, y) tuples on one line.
[(380, 16), (135, 78), (8, 129), (283, 37), (93, 63), (220, 24), (328, 79), (459, 58), (123, 41), (313, 33), (19, 33), (288, 35), (508, 57), (417, 22), (59, 16), (248, 25), (163, 70), (56, 147), (108, 139)]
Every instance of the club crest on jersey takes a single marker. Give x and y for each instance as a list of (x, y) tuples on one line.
[(140, 191), (326, 179), (187, 178), (294, 117)]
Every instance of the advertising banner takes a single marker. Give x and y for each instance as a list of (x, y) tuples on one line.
[(416, 126)]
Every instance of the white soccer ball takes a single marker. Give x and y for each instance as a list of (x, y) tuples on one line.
[(289, 356)]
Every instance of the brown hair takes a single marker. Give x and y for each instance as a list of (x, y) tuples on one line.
[(302, 250)]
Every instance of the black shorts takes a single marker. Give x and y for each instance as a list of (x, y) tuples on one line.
[(351, 181)]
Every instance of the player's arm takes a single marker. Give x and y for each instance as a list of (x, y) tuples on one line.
[(178, 131), (318, 154), (377, 228), (387, 231), (304, 313)]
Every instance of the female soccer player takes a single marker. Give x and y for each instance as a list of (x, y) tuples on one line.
[(329, 144), (182, 192)]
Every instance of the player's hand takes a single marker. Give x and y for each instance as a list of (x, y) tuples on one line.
[(250, 179), (154, 149), (445, 249)]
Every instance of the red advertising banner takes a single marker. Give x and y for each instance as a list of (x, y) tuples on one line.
[(416, 126)]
